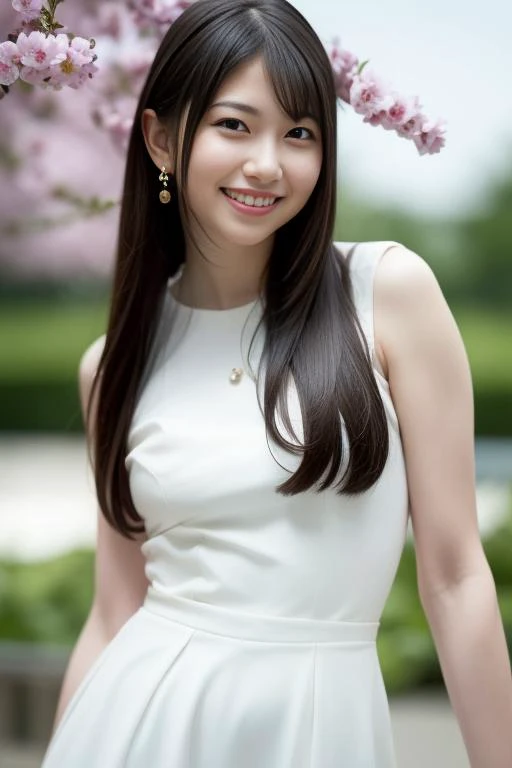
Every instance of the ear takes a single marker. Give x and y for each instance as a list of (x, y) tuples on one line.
[(157, 140)]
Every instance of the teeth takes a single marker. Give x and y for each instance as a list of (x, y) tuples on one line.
[(259, 202)]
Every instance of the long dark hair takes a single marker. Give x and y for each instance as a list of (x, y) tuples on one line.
[(312, 330)]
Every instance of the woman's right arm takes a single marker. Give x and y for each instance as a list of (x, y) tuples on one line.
[(120, 582)]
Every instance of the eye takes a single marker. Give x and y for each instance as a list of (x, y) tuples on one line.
[(230, 123), (301, 128)]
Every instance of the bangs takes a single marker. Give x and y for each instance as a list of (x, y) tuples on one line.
[(293, 80)]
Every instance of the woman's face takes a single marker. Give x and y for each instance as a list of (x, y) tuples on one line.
[(247, 144)]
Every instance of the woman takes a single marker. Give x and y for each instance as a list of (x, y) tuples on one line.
[(265, 411)]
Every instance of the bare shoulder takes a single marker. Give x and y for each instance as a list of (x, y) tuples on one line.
[(407, 297), (408, 303), (87, 368), (90, 359), (403, 275)]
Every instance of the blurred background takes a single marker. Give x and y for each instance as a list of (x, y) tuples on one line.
[(61, 169)]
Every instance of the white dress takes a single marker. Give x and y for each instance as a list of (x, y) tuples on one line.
[(255, 646)]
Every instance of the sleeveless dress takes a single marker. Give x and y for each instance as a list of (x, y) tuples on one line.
[(255, 646)]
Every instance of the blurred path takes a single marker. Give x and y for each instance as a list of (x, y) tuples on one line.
[(47, 498), (426, 732)]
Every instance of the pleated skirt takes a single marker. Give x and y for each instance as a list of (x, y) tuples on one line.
[(189, 685)]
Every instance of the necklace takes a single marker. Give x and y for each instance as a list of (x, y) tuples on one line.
[(236, 375)]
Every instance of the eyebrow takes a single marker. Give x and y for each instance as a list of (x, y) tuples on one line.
[(250, 110)]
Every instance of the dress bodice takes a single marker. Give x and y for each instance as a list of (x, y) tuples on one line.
[(203, 475)]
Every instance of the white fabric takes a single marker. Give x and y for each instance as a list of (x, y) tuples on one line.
[(255, 646)]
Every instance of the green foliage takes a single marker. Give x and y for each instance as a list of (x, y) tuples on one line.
[(470, 254), (487, 238), (487, 336), (406, 648), (41, 344), (47, 601), (44, 340)]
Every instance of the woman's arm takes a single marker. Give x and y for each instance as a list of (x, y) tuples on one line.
[(120, 581), (431, 388)]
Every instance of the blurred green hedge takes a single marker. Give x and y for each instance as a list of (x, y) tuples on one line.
[(48, 602), (41, 344), (406, 648)]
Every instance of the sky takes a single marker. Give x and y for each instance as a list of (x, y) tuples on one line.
[(456, 56)]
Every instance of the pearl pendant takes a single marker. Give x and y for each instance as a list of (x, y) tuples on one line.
[(236, 375)]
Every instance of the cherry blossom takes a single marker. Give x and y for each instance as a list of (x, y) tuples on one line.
[(412, 124), (9, 62), (431, 139), (37, 50), (29, 9), (158, 12), (401, 110), (369, 95), (344, 65), (73, 64)]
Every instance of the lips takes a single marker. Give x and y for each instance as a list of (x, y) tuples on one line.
[(251, 211), (251, 194)]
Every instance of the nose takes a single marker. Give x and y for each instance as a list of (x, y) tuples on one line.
[(264, 164)]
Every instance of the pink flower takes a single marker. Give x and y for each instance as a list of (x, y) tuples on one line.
[(431, 139), (82, 75), (80, 51), (35, 76), (63, 72), (413, 125), (377, 118), (344, 65), (119, 129), (132, 69), (369, 96), (37, 51), (109, 20), (9, 73), (116, 116), (72, 56), (159, 12), (29, 9), (9, 63), (68, 63), (399, 112)]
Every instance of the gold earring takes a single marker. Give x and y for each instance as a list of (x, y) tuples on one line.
[(165, 195)]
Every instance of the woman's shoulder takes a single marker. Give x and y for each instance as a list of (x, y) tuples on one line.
[(90, 358), (364, 253), (87, 368), (407, 302), (398, 284), (395, 267), (404, 281)]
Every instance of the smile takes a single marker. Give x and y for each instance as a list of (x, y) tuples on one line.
[(250, 201)]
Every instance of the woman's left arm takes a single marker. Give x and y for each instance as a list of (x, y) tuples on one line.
[(431, 388)]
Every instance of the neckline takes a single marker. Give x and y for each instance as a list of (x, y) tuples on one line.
[(203, 311), (210, 312)]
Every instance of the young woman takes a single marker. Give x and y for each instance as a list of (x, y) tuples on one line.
[(265, 410)]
